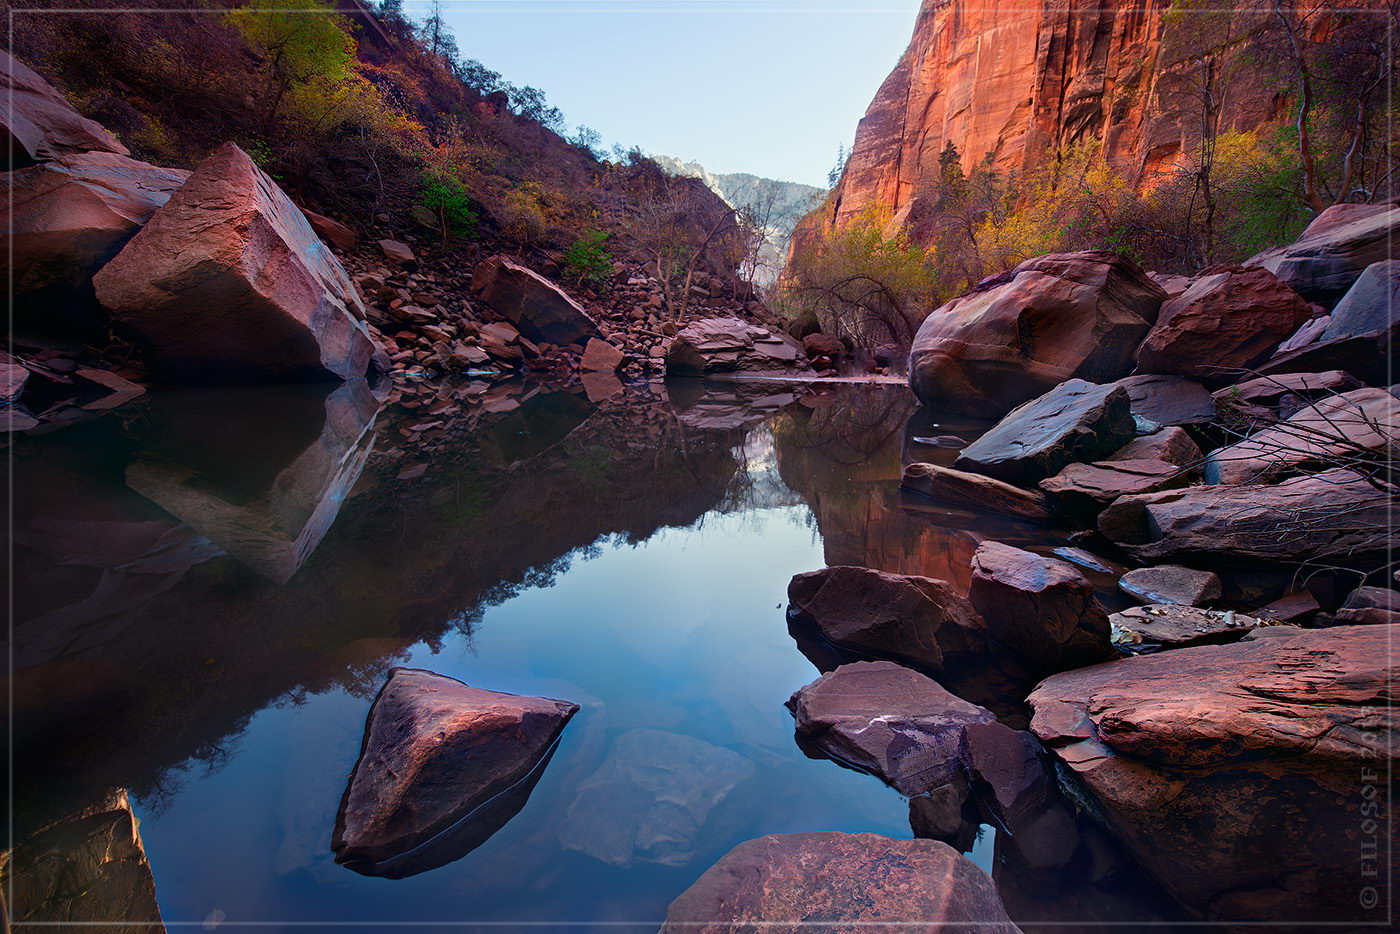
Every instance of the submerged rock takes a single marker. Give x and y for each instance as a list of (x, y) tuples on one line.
[(227, 282), (1040, 608), (538, 307), (887, 720), (1075, 421), (649, 802), (916, 621), (783, 883), (1236, 774), (435, 752), (1017, 336)]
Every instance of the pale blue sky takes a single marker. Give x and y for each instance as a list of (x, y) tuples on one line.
[(763, 86)]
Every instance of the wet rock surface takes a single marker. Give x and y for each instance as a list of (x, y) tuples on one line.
[(1019, 335), (1211, 763), (1075, 421), (783, 882), (436, 750), (227, 282), (889, 721)]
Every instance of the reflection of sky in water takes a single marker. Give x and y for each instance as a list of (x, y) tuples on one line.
[(682, 634)]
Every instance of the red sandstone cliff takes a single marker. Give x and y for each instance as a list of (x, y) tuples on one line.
[(1019, 79)]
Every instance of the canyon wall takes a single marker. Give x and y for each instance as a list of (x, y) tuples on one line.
[(1015, 81)]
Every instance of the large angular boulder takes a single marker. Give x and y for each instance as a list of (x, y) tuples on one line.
[(1082, 491), (965, 490), (1075, 421), (37, 123), (1052, 318), (1371, 305), (434, 750), (1334, 514), (1365, 357), (228, 283), (887, 720), (916, 621), (1172, 445), (848, 882), (1338, 430), (1042, 609), (63, 221), (1236, 775), (1164, 400), (651, 798), (728, 345), (538, 307), (1225, 322), (1326, 260)]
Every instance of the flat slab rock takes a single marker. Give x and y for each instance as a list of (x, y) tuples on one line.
[(1082, 491), (729, 345), (849, 883), (1233, 773), (1171, 583), (1075, 421), (434, 750), (1171, 444), (917, 621), (1174, 626), (966, 490), (889, 721)]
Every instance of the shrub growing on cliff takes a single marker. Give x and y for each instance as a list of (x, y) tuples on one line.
[(588, 260), (449, 200)]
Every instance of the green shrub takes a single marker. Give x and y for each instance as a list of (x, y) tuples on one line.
[(448, 199), (588, 260)]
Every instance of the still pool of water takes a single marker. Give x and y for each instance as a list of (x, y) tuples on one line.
[(213, 585)]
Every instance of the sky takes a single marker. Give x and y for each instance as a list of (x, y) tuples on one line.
[(770, 87)]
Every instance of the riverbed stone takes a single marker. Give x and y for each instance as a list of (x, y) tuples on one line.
[(434, 750), (600, 357), (227, 282), (1082, 491), (1370, 606), (888, 720), (1018, 335), (1042, 609), (1233, 774), (782, 883), (1171, 444), (728, 345), (973, 491), (1171, 583), (1371, 305), (1075, 421), (1271, 397)]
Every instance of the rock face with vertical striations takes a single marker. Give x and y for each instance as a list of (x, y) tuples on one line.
[(436, 750), (228, 283), (846, 882)]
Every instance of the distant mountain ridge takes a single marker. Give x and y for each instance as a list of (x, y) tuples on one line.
[(785, 203)]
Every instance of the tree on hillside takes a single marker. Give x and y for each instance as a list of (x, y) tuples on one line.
[(302, 42), (682, 229)]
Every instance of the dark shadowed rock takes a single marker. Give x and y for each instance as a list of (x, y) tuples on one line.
[(1173, 626), (434, 751), (887, 720), (1013, 779), (1270, 397), (64, 220), (1052, 318), (13, 376), (1340, 242), (649, 802), (1233, 774), (916, 621), (1225, 322), (1364, 357), (783, 883), (974, 491), (1171, 583), (1335, 431), (228, 282), (536, 306), (1310, 332), (1333, 514), (1169, 400), (38, 124), (1172, 445), (1040, 608), (728, 345), (1075, 421), (1370, 606), (1371, 305), (85, 872), (1082, 491)]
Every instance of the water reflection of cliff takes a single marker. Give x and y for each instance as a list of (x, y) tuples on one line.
[(149, 641)]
